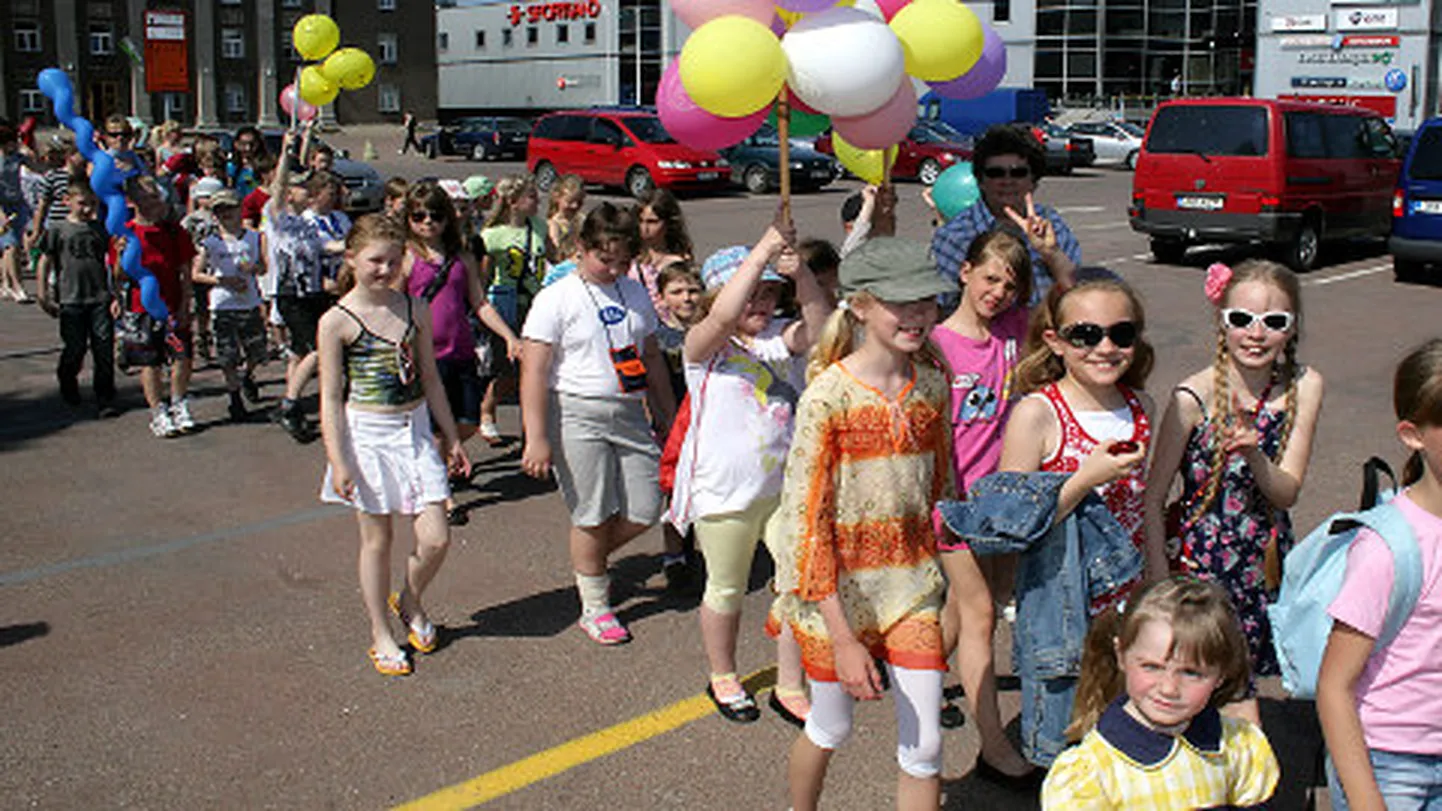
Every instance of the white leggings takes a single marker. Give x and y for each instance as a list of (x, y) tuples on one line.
[(916, 696)]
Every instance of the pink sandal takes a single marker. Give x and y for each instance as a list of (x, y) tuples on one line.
[(604, 629)]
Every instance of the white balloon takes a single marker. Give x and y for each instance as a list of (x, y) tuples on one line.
[(843, 62)]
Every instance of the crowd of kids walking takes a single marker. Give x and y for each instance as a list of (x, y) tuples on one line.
[(909, 468)]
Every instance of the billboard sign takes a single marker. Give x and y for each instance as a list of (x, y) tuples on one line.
[(167, 52)]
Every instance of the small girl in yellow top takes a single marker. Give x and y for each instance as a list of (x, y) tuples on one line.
[(856, 564), (1166, 662)]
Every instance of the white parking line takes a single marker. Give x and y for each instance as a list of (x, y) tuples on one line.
[(1351, 274), (1080, 209), (1101, 226)]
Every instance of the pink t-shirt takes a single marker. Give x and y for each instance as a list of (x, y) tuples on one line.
[(1399, 696), (980, 392)]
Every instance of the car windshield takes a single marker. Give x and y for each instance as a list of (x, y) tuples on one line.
[(1133, 129), (926, 135), (513, 125), (1427, 160), (766, 136), (1210, 129), (648, 129)]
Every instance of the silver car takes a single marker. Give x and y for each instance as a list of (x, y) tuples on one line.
[(1116, 143)]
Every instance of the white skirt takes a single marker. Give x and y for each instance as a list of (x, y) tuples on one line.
[(394, 460)]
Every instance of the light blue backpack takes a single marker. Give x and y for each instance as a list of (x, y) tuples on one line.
[(1312, 575)]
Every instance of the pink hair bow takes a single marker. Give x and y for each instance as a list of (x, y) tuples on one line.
[(1218, 277)]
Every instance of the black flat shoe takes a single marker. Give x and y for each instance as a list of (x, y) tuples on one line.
[(1029, 782), (952, 717), (457, 516), (786, 715), (742, 709)]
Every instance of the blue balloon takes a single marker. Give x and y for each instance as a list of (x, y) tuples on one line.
[(955, 190), (108, 181)]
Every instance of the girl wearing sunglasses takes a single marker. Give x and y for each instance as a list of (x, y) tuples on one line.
[(1239, 434)]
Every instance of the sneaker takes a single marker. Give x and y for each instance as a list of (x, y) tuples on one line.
[(604, 629), (180, 416), (249, 388), (491, 434), (293, 421), (160, 423)]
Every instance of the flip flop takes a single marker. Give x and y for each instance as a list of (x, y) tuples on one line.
[(396, 665), (779, 707), (422, 637), (740, 708)]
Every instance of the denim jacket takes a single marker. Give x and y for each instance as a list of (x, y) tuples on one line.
[(1062, 567)]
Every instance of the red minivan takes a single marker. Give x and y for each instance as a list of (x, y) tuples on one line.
[(1289, 174), (619, 147)]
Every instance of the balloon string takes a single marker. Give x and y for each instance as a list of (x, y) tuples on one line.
[(783, 133)]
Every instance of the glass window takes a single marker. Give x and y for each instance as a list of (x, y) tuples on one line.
[(1427, 155), (385, 5), (232, 43), (1081, 64), (1346, 137), (27, 37), (234, 97), (1125, 22), (533, 35), (590, 33), (1082, 21), (102, 39), (386, 47), (649, 130), (292, 3), (1306, 135), (388, 98), (563, 34), (1051, 22), (606, 132), (508, 38), (31, 100), (480, 40), (1210, 129), (1048, 64), (1001, 11), (1380, 141), (443, 41)]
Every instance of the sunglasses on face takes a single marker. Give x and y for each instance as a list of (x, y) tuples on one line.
[(1276, 320), (423, 215), (1014, 172), (1085, 335)]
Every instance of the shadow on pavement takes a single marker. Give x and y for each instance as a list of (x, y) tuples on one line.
[(15, 634), (545, 614), (27, 417)]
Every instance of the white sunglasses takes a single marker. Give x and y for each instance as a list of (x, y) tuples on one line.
[(1275, 320)]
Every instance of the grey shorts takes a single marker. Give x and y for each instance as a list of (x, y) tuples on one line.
[(239, 336), (606, 460)]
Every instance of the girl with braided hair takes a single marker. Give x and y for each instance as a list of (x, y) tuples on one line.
[(1239, 434)]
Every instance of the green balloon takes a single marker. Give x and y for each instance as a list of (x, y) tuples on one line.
[(955, 190), (803, 125)]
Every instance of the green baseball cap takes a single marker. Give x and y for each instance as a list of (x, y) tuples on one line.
[(477, 186), (895, 270)]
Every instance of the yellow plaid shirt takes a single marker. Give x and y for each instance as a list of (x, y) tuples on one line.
[(1218, 762)]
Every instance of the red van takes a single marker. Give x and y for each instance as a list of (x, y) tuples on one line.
[(1289, 174), (619, 147)]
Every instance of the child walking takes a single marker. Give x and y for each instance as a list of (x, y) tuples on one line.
[(590, 362), (1154, 674), (664, 239), (229, 262), (1381, 708), (981, 343), (379, 391), (1239, 434), (744, 369), (856, 568), (74, 250)]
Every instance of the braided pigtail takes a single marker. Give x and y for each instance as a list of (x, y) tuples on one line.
[(1292, 372), (1221, 417)]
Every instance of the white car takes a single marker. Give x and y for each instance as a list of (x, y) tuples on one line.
[(1115, 142)]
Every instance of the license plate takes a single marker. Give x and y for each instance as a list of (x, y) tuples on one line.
[(1427, 207), (1200, 203), (820, 173), (707, 175)]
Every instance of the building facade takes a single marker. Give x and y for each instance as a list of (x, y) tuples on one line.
[(238, 57), (1381, 56)]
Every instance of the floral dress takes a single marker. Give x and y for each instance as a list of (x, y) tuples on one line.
[(1227, 544)]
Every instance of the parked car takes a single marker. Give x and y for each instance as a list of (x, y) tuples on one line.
[(1065, 153), (619, 147), (929, 149), (1416, 240), (1114, 143), (364, 188), (756, 164), (480, 139), (1290, 174)]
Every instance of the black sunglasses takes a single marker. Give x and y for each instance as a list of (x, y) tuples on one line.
[(1017, 172), (421, 215), (1085, 335)]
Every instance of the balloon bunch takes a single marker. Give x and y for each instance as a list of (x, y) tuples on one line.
[(315, 37), (854, 61), (108, 181)]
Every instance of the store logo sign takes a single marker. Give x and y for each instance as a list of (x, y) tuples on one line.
[(1354, 58), (1362, 19), (1305, 41), (1299, 22), (1319, 81), (554, 12), (1361, 41)]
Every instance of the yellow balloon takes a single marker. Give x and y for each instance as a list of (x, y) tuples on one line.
[(942, 39), (732, 66), (316, 88), (315, 35), (864, 163), (351, 68)]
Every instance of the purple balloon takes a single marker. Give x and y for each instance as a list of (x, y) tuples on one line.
[(693, 126), (778, 26), (805, 6), (983, 77)]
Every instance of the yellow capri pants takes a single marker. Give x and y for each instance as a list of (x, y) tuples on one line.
[(728, 542)]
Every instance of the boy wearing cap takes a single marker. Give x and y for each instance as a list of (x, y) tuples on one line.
[(201, 225), (74, 250), (229, 261)]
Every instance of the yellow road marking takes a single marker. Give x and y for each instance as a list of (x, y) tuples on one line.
[(542, 765)]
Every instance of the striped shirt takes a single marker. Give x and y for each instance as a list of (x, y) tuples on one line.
[(951, 241)]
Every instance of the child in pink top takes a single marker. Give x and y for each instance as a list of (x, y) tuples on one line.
[(980, 342), (1381, 709)]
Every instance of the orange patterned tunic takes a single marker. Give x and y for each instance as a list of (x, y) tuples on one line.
[(855, 518)]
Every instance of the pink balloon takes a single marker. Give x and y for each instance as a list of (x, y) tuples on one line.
[(883, 127), (294, 105), (890, 7), (983, 77), (797, 104), (693, 126), (805, 6), (694, 13)]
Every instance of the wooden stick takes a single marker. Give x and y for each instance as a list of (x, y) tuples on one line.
[(783, 132)]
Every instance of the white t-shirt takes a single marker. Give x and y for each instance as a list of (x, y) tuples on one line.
[(329, 227), (223, 257), (583, 322), (743, 407)]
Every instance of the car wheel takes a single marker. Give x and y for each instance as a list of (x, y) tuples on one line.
[(928, 172), (1407, 270), (545, 176), (1131, 161), (756, 180), (1168, 251), (1301, 253), (639, 183), (478, 152)]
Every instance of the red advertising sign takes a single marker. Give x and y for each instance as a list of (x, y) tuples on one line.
[(1384, 105), (167, 52), (1360, 41), (553, 12)]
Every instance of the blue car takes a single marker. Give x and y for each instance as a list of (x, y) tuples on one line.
[(1416, 240), (480, 139)]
